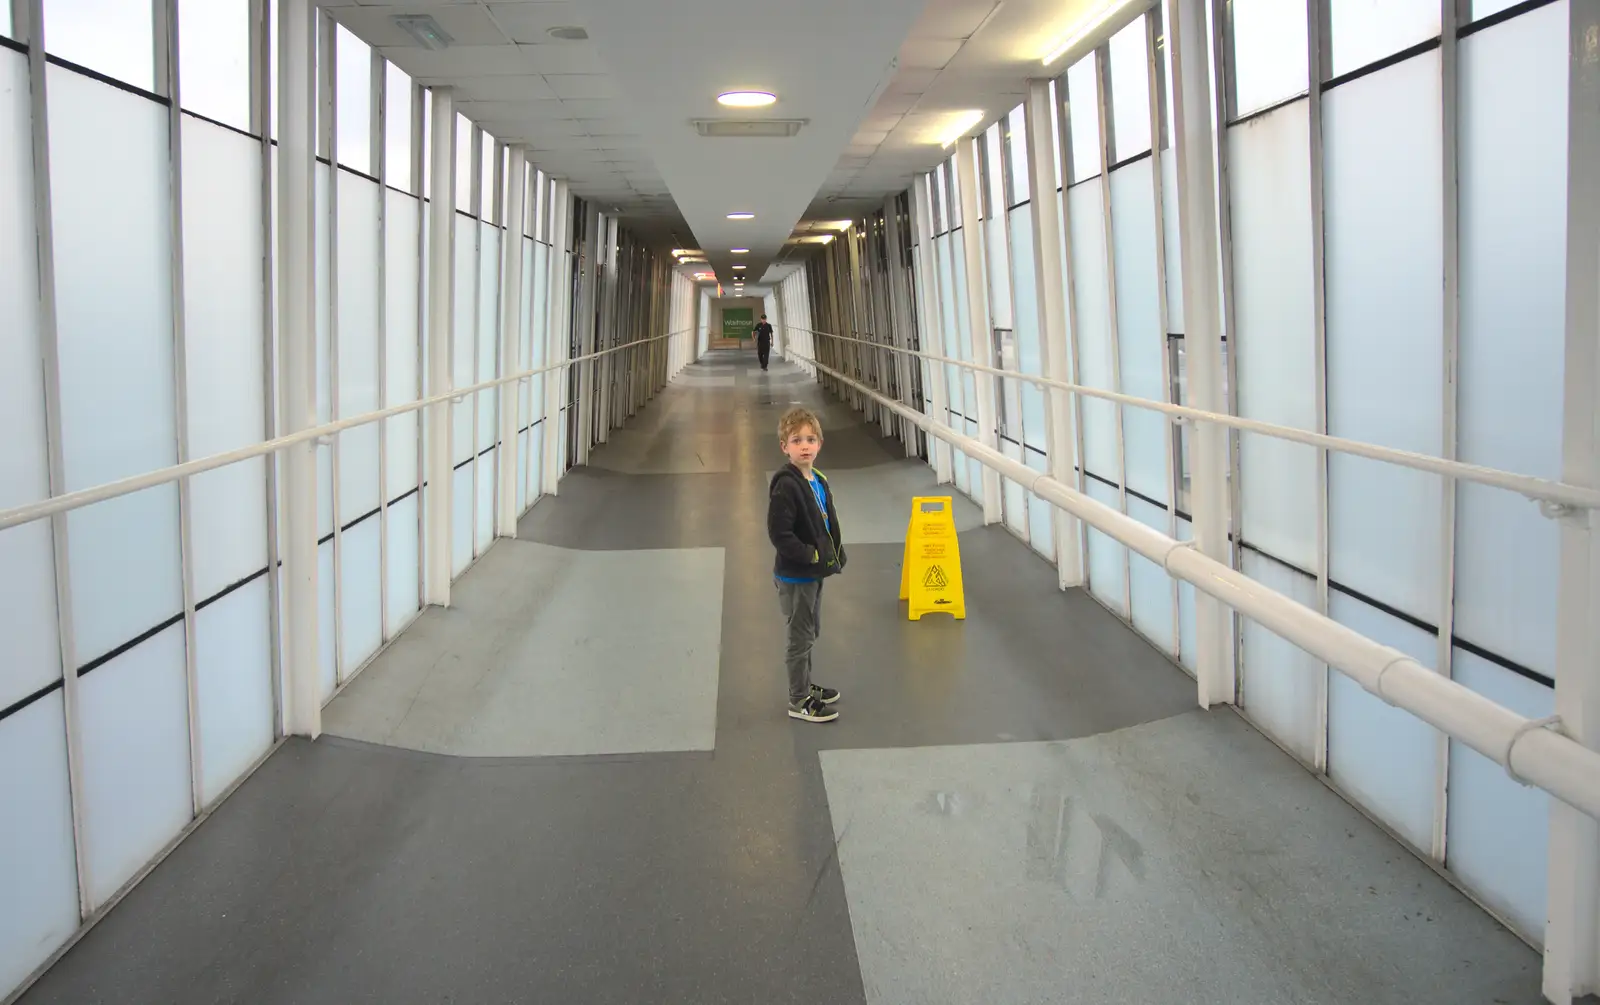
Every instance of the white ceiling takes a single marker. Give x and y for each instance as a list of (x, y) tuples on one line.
[(880, 82)]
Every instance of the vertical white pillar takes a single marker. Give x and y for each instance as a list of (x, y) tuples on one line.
[(1188, 39), (1049, 279), (932, 327), (980, 336), (557, 293), (297, 342), (441, 299), (1572, 932), (511, 360)]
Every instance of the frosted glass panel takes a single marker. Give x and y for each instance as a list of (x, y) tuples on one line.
[(1096, 367), (27, 570), (223, 335), (1149, 585), (37, 871), (1016, 501), (1172, 235), (1275, 345), (1499, 830), (403, 564), (1269, 46), (1141, 343), (1280, 681), (114, 325), (461, 513), (1513, 268), (113, 37), (1108, 568), (463, 334), (397, 127), (488, 347), (1130, 91), (1030, 357), (133, 715), (401, 349), (1000, 275), (1483, 8), (359, 295), (1365, 31), (483, 526), (361, 624), (1385, 341), (327, 639), (1384, 757), (1186, 613), (1041, 528), (322, 276), (233, 664)]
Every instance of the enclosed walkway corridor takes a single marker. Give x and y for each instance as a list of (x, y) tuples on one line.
[(577, 784)]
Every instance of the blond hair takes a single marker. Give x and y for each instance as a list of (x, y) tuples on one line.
[(796, 419)]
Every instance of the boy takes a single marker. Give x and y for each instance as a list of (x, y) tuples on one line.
[(763, 341), (803, 525)]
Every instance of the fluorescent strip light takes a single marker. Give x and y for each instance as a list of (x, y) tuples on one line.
[(741, 216), (738, 251), (1096, 20), (746, 99), (963, 125)]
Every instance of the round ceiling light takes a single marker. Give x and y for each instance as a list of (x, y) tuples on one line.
[(568, 33), (746, 99), (741, 216)]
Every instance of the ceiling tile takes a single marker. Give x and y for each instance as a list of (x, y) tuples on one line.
[(530, 23), (582, 85), (506, 88), (928, 53), (460, 61)]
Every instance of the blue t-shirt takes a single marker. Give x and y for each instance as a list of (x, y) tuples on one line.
[(820, 491)]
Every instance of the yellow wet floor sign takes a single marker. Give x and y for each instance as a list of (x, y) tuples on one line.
[(930, 574)]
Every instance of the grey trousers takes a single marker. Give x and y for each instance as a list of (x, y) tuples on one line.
[(801, 604)]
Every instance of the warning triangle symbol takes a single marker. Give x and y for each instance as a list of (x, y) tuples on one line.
[(935, 579)]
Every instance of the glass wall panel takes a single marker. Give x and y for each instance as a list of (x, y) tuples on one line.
[(114, 329), (1108, 560), (1513, 266), (1269, 52), (1275, 317), (233, 667), (113, 37), (27, 557), (214, 59), (1365, 31), (1141, 343), (1280, 682), (1130, 91), (1084, 117), (397, 158), (1149, 586), (1096, 366), (1384, 757), (1384, 205)]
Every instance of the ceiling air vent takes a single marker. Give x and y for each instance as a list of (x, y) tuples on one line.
[(568, 33), (749, 128)]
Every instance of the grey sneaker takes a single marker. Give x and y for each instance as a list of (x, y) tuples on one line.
[(812, 710), (826, 695)]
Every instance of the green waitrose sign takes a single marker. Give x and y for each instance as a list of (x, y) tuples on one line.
[(738, 322)]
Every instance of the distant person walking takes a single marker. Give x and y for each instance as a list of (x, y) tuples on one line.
[(763, 341)]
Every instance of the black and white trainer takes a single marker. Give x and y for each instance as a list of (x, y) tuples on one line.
[(826, 695), (812, 710)]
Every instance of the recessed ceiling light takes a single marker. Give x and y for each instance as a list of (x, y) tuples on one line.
[(568, 33), (739, 251), (746, 99), (425, 30), (741, 216), (740, 266)]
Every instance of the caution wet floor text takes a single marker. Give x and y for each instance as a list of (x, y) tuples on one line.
[(930, 573)]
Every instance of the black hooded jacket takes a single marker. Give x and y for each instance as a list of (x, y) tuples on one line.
[(806, 549)]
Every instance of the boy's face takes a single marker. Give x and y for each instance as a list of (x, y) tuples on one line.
[(802, 447)]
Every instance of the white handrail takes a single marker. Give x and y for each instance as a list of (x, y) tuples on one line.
[(1536, 489), (160, 476), (1530, 752)]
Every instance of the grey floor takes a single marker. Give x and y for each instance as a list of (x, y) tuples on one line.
[(578, 784)]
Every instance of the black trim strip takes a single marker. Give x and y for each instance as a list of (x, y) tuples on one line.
[(100, 661), (121, 85), (7, 42), (1136, 158), (1260, 113), (1455, 640), (1382, 64), (247, 134), (22, 703), (1501, 17), (246, 581), (400, 191), (1102, 481), (360, 174)]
